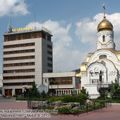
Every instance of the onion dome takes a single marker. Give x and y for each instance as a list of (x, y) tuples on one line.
[(105, 25)]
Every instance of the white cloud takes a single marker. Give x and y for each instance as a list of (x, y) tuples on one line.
[(86, 29), (65, 57), (13, 7)]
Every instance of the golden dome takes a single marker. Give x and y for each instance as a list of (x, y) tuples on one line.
[(104, 25)]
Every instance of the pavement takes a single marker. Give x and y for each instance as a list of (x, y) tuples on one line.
[(7, 99), (112, 112), (109, 113)]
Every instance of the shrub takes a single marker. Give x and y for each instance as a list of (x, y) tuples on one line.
[(100, 103), (55, 98), (81, 98), (75, 111), (67, 110), (64, 110), (69, 98), (97, 105)]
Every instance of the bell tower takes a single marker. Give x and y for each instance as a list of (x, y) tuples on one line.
[(105, 34)]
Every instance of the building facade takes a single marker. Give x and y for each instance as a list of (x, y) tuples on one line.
[(27, 54), (64, 83), (102, 66)]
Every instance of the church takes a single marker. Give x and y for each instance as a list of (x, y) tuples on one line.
[(101, 67)]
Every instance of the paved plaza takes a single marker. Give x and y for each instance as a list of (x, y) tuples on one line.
[(110, 113)]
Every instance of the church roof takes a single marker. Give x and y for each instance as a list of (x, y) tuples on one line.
[(105, 25), (112, 50), (116, 52), (83, 67)]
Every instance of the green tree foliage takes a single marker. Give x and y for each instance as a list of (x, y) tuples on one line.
[(102, 92), (33, 92), (115, 90), (81, 97), (84, 91), (43, 94)]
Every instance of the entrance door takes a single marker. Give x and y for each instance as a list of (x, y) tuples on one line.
[(18, 91), (8, 92)]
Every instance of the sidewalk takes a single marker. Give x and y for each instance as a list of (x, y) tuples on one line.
[(112, 112)]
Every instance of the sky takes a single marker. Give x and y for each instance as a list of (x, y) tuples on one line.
[(73, 24)]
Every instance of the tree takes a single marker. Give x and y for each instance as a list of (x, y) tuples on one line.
[(43, 94), (83, 90), (115, 90), (33, 92), (83, 96), (103, 92)]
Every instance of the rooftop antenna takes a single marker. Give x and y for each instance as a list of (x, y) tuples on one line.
[(9, 25), (104, 10)]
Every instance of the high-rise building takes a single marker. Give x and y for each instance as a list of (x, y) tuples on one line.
[(27, 54)]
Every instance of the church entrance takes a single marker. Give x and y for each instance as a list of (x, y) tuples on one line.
[(97, 74)]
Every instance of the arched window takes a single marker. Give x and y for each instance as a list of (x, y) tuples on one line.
[(102, 56), (103, 38)]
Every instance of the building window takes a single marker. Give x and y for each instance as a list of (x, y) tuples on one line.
[(19, 51), (48, 37), (103, 38), (60, 80), (18, 77), (102, 56), (19, 64), (22, 36), (18, 83), (19, 71), (49, 52), (19, 58), (45, 80), (49, 46), (8, 92), (49, 59), (19, 45), (49, 70), (18, 91), (49, 65)]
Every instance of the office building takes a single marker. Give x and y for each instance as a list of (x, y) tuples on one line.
[(27, 54)]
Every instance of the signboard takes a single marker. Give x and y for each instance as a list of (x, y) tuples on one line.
[(22, 29)]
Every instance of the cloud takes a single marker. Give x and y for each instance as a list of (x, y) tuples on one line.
[(86, 29), (65, 57), (13, 7), (115, 19)]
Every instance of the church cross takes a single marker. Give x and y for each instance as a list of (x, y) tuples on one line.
[(104, 10)]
